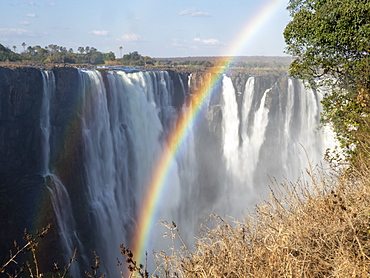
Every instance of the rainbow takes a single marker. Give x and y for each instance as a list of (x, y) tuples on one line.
[(178, 135)]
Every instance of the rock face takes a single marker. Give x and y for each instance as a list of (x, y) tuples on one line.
[(25, 202), (20, 148)]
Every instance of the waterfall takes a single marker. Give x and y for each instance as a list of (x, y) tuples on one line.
[(58, 193), (123, 133), (242, 158), (240, 140), (48, 80)]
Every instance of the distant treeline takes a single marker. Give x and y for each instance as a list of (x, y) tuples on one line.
[(207, 63), (59, 54), (56, 54), (185, 63), (90, 55)]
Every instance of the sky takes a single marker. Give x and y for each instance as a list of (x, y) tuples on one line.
[(155, 28)]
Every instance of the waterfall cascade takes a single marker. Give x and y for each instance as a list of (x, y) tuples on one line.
[(97, 166)]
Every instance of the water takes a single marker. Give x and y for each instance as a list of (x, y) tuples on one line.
[(58, 193), (223, 166)]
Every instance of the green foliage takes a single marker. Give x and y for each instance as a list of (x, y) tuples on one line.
[(330, 42), (7, 55), (186, 63), (57, 54), (109, 56), (258, 65), (96, 58), (328, 38), (133, 56), (135, 59)]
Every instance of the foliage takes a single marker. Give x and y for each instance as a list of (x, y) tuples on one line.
[(258, 65), (7, 55), (135, 59), (109, 56), (186, 63), (135, 269), (12, 268), (329, 38), (330, 42), (31, 269), (56, 54)]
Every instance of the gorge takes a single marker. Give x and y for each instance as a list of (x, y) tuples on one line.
[(78, 148)]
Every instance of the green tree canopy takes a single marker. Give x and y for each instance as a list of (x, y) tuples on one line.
[(7, 55), (330, 40), (109, 56)]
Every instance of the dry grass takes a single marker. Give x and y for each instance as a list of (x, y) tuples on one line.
[(314, 228)]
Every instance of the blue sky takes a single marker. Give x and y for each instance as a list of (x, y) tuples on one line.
[(157, 28)]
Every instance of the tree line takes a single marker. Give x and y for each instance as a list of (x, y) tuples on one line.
[(53, 53), (59, 54)]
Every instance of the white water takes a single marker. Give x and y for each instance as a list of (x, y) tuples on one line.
[(123, 136), (242, 157), (48, 89)]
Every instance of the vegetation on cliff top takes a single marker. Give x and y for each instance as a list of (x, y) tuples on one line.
[(59, 55)]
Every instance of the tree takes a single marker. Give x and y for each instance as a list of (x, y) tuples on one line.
[(53, 48), (57, 57), (330, 42), (328, 38), (120, 51), (24, 46), (96, 57), (7, 55), (31, 50), (63, 49), (109, 56), (14, 48), (81, 50)]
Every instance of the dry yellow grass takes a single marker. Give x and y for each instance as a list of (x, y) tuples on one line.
[(314, 228)]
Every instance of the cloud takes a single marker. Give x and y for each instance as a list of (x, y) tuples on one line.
[(12, 31), (32, 15), (52, 4), (200, 14), (136, 18), (6, 33), (209, 41), (177, 43), (25, 23), (131, 37), (194, 12), (33, 4), (99, 32), (185, 12)]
